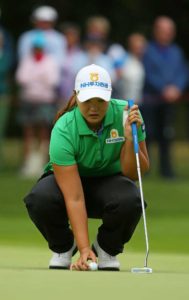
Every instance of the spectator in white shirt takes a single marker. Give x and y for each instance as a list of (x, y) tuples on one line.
[(132, 72)]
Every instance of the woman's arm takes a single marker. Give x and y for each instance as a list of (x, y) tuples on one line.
[(69, 182), (128, 157)]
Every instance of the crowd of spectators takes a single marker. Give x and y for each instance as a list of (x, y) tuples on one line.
[(153, 73)]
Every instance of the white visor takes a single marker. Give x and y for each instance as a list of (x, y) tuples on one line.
[(93, 82)]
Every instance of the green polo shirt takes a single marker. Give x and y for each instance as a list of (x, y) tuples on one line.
[(73, 142)]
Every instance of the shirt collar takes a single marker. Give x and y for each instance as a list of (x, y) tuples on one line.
[(82, 125)]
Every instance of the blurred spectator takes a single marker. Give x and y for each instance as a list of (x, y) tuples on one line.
[(8, 44), (94, 47), (43, 19), (75, 59), (38, 76), (166, 78), (98, 27), (131, 71), (119, 55), (97, 40), (6, 62)]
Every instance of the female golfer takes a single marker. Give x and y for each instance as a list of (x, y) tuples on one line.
[(90, 174)]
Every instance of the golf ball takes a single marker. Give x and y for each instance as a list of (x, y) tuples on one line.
[(93, 266)]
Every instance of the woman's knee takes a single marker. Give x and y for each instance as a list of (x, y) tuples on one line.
[(38, 203), (129, 200), (128, 205), (43, 199)]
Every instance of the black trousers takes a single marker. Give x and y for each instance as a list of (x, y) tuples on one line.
[(114, 199)]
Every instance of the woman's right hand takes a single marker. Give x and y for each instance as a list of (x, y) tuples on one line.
[(81, 264), (133, 117)]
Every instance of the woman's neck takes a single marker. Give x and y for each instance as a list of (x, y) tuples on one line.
[(95, 127)]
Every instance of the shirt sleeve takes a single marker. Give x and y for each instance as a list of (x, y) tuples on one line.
[(61, 149), (141, 131)]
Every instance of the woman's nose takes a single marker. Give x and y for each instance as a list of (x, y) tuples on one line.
[(93, 107)]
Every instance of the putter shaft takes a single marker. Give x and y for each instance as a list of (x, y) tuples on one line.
[(143, 210)]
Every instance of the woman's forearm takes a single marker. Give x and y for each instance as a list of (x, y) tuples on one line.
[(128, 160), (78, 219), (69, 183)]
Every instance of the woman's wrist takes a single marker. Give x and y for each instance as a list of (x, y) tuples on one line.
[(128, 138), (84, 249)]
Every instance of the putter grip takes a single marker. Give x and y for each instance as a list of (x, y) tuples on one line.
[(134, 129)]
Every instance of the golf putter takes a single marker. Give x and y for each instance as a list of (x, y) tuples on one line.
[(145, 269)]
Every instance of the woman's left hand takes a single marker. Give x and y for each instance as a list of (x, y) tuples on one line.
[(133, 117)]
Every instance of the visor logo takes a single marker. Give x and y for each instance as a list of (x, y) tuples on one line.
[(94, 76)]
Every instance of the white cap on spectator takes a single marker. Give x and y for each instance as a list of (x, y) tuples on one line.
[(45, 13)]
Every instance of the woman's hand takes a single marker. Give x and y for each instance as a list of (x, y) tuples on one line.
[(82, 263), (133, 116)]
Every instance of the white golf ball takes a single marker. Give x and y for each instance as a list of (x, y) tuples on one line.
[(93, 266)]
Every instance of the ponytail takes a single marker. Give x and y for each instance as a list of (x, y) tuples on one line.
[(71, 104)]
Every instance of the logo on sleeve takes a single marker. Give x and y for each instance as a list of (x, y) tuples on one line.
[(143, 127), (114, 137)]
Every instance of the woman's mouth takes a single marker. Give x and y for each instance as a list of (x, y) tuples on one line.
[(93, 115)]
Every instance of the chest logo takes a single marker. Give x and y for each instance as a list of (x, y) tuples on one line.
[(94, 76), (114, 137)]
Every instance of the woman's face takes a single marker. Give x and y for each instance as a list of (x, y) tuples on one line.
[(93, 110)]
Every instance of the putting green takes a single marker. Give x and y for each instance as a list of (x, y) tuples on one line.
[(24, 275), (23, 270)]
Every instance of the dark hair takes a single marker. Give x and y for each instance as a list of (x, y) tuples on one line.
[(69, 106)]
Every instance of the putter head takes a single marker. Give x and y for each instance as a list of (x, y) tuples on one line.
[(141, 270)]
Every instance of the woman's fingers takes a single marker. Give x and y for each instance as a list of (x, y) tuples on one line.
[(136, 119), (134, 115), (82, 263), (92, 256), (79, 267)]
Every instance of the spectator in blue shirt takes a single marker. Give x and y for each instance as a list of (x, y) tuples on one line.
[(6, 67), (166, 79), (43, 19)]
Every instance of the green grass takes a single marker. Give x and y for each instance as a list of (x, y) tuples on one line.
[(24, 254), (24, 275), (167, 216)]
